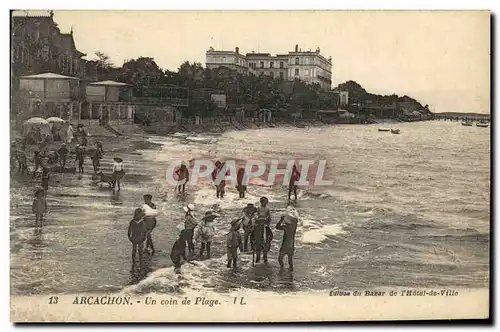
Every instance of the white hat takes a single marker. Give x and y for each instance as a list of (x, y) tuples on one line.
[(292, 212), (189, 207)]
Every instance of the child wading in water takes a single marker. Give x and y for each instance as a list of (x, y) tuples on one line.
[(248, 225), (149, 221), (205, 232), (233, 242), (183, 177), (118, 172), (137, 235), (241, 186), (39, 207)]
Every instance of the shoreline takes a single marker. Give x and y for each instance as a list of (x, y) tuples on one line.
[(214, 126)]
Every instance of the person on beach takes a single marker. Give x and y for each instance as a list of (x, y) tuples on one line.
[(118, 172), (150, 214), (137, 235), (39, 206), (288, 224), (189, 226), (70, 134), (81, 134), (22, 162), (179, 251), (183, 177), (63, 154), (220, 184), (100, 150), (294, 178), (80, 157), (37, 159), (45, 178), (233, 243), (205, 233), (248, 225), (95, 160), (241, 187), (262, 232)]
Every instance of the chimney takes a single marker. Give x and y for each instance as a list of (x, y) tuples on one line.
[(237, 50), (296, 48)]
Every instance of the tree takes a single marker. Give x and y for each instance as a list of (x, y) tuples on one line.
[(141, 72), (103, 60)]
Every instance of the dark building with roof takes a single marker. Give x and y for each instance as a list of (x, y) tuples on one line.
[(38, 46)]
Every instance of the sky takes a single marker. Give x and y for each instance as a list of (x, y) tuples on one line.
[(440, 58)]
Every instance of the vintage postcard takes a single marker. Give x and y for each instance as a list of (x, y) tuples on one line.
[(249, 166)]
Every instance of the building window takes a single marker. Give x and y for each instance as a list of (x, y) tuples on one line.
[(252, 65), (306, 72), (271, 64), (296, 72), (296, 61), (262, 64), (271, 74), (282, 64), (282, 75)]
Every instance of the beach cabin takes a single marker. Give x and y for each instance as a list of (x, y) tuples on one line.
[(49, 86), (109, 91), (46, 95)]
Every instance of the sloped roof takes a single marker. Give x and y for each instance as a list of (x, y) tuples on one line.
[(51, 76), (110, 83)]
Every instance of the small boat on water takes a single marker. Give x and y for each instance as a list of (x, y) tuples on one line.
[(482, 124), (467, 123), (384, 129), (300, 125), (395, 131)]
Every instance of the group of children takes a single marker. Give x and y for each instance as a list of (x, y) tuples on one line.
[(19, 155), (220, 183), (257, 235)]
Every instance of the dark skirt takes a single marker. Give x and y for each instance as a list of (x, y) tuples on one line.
[(118, 175)]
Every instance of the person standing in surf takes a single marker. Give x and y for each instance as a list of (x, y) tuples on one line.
[(262, 232), (233, 243), (294, 178), (179, 251), (118, 172), (220, 184), (150, 214), (183, 177), (39, 206), (248, 225), (137, 235), (288, 224), (205, 233), (189, 227), (241, 187)]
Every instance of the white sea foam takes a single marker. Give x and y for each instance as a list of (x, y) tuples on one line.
[(200, 139), (206, 197), (315, 231)]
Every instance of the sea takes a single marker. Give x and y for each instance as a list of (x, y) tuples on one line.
[(407, 210)]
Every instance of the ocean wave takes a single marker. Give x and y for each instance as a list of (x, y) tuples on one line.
[(318, 235)]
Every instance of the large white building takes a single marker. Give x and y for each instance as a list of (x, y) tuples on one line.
[(308, 66)]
